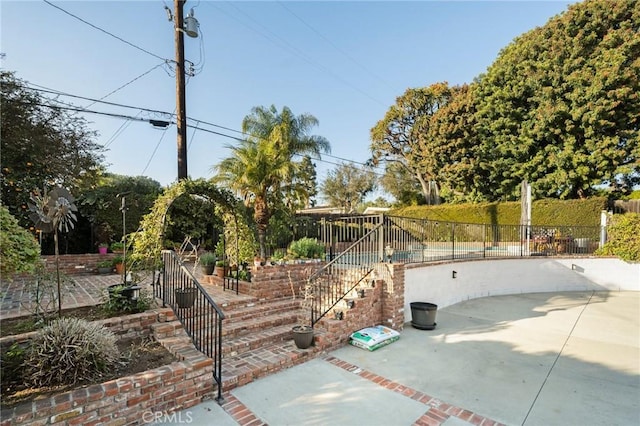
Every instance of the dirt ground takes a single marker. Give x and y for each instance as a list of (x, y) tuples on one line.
[(137, 355)]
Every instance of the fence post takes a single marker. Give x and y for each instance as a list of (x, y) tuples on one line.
[(453, 241), (381, 218), (603, 228)]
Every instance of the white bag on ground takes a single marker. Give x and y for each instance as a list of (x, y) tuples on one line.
[(372, 338)]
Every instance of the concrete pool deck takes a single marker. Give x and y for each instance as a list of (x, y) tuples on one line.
[(570, 358)]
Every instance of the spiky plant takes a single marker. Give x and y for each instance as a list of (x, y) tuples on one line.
[(69, 350)]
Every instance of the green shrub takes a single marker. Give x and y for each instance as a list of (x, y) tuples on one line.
[(69, 350), (104, 264), (117, 246), (20, 250), (623, 238), (207, 258), (306, 248), (118, 302)]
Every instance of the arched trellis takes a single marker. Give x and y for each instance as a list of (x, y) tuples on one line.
[(147, 243)]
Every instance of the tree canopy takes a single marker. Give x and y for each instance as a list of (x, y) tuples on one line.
[(560, 106), (41, 146), (346, 186), (396, 138), (101, 204)]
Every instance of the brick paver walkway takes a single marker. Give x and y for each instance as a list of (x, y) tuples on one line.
[(85, 290)]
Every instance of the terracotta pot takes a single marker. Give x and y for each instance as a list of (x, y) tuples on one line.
[(119, 268)]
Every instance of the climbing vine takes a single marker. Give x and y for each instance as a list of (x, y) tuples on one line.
[(147, 242)]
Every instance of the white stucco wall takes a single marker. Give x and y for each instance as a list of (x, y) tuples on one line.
[(480, 278)]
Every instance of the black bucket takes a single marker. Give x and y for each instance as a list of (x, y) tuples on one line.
[(423, 315)]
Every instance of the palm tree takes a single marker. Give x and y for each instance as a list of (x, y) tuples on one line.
[(262, 164)]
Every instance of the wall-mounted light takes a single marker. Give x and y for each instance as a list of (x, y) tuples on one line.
[(453, 274)]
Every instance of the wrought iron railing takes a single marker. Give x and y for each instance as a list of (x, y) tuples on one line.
[(342, 274), (408, 240), (196, 310)]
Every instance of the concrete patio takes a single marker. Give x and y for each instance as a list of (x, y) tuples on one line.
[(570, 358)]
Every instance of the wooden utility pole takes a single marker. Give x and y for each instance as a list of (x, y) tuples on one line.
[(181, 104)]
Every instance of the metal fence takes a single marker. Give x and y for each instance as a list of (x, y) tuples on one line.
[(196, 310), (409, 240)]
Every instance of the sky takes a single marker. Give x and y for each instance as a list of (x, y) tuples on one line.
[(343, 62)]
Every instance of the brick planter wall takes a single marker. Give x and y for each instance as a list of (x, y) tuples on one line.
[(127, 400), (272, 282), (382, 304), (77, 264)]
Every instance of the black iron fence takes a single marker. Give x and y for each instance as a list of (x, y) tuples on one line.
[(341, 275), (196, 310)]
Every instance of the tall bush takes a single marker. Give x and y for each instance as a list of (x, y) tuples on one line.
[(623, 238)]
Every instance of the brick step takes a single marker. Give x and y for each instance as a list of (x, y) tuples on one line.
[(249, 366), (163, 330), (257, 309), (249, 342), (256, 324)]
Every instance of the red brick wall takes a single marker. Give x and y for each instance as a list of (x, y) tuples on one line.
[(128, 400), (382, 304), (77, 264), (272, 282)]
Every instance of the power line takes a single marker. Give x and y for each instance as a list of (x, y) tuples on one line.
[(104, 31), (285, 45), (332, 44), (196, 127), (126, 84), (57, 92)]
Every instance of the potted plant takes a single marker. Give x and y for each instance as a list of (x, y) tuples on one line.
[(220, 268), (117, 247), (102, 248), (303, 333), (207, 262), (105, 267), (186, 296), (118, 263)]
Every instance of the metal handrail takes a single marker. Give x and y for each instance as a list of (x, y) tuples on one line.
[(342, 274), (199, 314)]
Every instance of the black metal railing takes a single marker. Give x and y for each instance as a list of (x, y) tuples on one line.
[(196, 310), (342, 274), (408, 240)]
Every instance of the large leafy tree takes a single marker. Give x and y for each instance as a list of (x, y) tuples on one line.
[(346, 186), (101, 204), (560, 106), (396, 138), (41, 146), (397, 182), (262, 167), (453, 151)]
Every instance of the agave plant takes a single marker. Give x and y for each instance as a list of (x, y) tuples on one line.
[(53, 211)]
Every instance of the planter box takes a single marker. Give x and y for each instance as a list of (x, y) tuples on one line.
[(125, 400)]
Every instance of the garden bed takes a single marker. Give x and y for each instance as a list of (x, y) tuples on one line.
[(165, 377)]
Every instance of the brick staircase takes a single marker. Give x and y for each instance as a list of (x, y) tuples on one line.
[(257, 337), (257, 331)]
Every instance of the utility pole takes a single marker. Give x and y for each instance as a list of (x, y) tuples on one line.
[(181, 107)]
